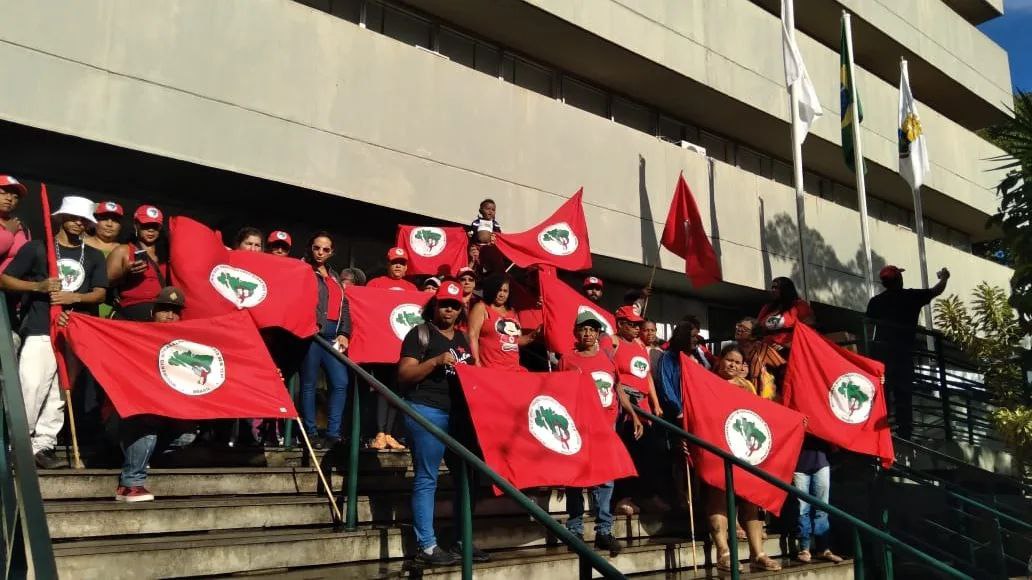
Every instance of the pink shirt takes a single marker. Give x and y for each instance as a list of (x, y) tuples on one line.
[(10, 244)]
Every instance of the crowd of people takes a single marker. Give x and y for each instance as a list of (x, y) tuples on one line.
[(482, 314)]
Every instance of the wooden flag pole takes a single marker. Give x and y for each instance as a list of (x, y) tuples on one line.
[(691, 509), (652, 277), (76, 458), (318, 469)]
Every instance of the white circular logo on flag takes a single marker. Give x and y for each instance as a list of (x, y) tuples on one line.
[(191, 368), (774, 322), (404, 318), (552, 425), (605, 325), (748, 436), (851, 397), (428, 242), (242, 288), (558, 239), (640, 367), (606, 387), (71, 274)]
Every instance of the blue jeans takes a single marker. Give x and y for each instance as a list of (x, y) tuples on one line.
[(603, 496), (140, 436), (427, 453), (819, 486), (336, 383)]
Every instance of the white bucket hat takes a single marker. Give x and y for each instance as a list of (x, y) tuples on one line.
[(77, 206)]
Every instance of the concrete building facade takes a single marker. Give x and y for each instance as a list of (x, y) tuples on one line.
[(356, 115)]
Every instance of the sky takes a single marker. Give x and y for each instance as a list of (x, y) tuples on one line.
[(1013, 31)]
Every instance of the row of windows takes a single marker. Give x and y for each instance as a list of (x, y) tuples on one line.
[(405, 26)]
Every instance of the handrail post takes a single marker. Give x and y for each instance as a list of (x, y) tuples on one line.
[(886, 547), (351, 518), (944, 390), (858, 555), (998, 552), (466, 521), (288, 426), (732, 519)]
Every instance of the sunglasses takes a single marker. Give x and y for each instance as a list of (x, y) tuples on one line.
[(450, 305)]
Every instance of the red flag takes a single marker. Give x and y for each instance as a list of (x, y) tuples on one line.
[(432, 250), (561, 240), (380, 319), (56, 338), (840, 392), (757, 431), (561, 305), (216, 368), (685, 236), (277, 291), (544, 429)]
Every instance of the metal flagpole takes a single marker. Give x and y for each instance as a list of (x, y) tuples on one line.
[(858, 161), (918, 215), (788, 15)]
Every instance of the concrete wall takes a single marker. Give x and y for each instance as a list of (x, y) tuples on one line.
[(274, 89)]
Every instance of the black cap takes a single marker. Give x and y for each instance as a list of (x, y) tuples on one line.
[(170, 296)]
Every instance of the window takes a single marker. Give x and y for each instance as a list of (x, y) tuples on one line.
[(350, 10), (488, 59), (782, 173), (458, 47), (753, 162), (634, 116), (812, 183), (585, 97), (532, 77), (406, 28), (716, 147), (671, 129), (374, 16)]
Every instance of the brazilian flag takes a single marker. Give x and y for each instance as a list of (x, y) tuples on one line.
[(846, 101)]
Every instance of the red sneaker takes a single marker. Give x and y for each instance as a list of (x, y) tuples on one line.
[(138, 493), (120, 493)]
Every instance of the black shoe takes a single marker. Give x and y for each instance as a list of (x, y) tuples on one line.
[(479, 555), (47, 460), (317, 442), (437, 558), (608, 542), (331, 442), (579, 536)]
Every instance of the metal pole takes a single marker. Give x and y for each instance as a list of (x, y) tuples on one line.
[(887, 549), (788, 14), (732, 518), (351, 523), (944, 391), (858, 555), (919, 222), (858, 161), (466, 515)]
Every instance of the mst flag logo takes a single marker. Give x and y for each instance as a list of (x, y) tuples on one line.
[(851, 397), (552, 425), (428, 242), (242, 288), (604, 383), (748, 436), (404, 318), (71, 274), (558, 239), (191, 368), (640, 367)]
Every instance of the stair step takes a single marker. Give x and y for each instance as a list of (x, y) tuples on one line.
[(790, 570)]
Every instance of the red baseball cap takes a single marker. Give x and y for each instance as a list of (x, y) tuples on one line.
[(627, 313), (395, 254), (466, 270), (9, 182), (449, 290), (148, 214), (592, 281), (890, 272), (279, 237), (108, 208)]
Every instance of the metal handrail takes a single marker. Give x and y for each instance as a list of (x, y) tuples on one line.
[(24, 521), (858, 524), (959, 463), (588, 557)]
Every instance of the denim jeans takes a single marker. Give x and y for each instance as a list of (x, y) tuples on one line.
[(427, 453), (336, 382), (602, 496), (819, 486), (143, 435)]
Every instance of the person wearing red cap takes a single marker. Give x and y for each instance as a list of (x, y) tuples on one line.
[(397, 266), (429, 354), (278, 243), (248, 239), (778, 317), (592, 289), (109, 226), (137, 271), (494, 328), (895, 313), (12, 234)]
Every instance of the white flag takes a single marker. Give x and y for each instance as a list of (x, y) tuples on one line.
[(913, 155), (795, 74)]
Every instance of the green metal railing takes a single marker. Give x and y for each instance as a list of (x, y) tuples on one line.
[(890, 544), (589, 559), (25, 530)]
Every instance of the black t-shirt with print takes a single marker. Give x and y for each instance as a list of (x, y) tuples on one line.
[(81, 269), (438, 388)]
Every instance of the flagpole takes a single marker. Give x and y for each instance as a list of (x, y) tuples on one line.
[(918, 217), (318, 469), (788, 15), (858, 161)]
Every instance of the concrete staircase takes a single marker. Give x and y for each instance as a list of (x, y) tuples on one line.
[(265, 517)]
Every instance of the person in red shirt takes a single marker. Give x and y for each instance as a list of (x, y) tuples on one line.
[(778, 317), (495, 335), (278, 243), (592, 288), (397, 267), (12, 234), (137, 270), (587, 357)]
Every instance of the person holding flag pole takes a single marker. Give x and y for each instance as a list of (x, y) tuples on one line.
[(852, 114)]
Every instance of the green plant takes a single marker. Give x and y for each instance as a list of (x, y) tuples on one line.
[(989, 333)]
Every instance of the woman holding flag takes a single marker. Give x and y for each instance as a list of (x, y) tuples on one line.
[(494, 328), (778, 317)]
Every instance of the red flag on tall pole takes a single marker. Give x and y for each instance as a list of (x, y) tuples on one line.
[(216, 368), (63, 379), (432, 250), (380, 319), (561, 240), (757, 431), (544, 429), (685, 236), (561, 305), (841, 393)]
